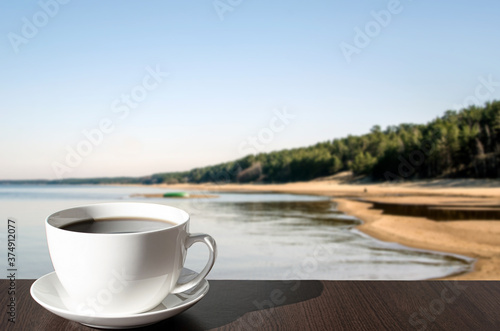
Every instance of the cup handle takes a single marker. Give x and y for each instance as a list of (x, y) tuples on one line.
[(212, 248)]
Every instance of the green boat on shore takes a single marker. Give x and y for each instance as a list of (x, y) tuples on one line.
[(176, 195)]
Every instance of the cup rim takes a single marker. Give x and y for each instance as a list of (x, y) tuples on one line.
[(104, 204)]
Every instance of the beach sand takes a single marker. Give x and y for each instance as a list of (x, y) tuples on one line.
[(479, 239)]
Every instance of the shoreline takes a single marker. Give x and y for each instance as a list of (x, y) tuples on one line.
[(477, 239)]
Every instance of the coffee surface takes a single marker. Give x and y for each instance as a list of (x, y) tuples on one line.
[(118, 225)]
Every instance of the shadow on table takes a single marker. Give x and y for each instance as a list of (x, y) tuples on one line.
[(229, 300)]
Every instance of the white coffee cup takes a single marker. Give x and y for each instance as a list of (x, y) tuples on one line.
[(111, 274)]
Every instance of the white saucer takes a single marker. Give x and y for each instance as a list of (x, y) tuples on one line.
[(47, 292)]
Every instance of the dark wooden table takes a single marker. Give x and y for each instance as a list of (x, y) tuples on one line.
[(306, 305)]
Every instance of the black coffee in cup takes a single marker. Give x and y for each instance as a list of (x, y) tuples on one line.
[(117, 225)]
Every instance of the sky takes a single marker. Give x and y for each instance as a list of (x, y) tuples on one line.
[(130, 88)]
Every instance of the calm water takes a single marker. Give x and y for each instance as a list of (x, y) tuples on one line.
[(259, 236)]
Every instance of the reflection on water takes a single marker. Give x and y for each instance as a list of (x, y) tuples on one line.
[(442, 212), (259, 236)]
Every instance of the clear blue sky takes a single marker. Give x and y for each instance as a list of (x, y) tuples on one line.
[(65, 69)]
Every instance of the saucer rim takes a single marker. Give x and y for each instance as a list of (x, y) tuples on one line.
[(148, 313)]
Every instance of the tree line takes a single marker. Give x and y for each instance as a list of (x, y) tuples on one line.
[(459, 144), (463, 143)]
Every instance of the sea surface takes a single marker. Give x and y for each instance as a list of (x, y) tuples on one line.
[(259, 236)]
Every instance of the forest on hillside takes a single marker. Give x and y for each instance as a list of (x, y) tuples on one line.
[(459, 144), (463, 144)]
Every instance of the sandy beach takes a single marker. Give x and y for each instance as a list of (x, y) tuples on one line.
[(479, 239)]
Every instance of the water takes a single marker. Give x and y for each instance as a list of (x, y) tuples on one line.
[(259, 236)]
